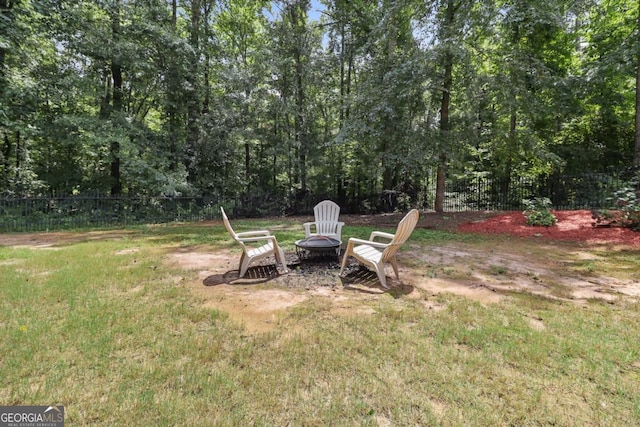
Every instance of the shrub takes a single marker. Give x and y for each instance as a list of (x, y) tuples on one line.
[(538, 212), (629, 205), (624, 208)]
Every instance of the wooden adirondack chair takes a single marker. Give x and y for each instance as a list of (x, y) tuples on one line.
[(251, 251), (326, 222), (375, 254)]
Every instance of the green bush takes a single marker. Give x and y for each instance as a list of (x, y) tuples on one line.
[(629, 205), (538, 212)]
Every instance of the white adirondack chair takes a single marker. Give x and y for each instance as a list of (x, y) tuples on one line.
[(251, 250), (375, 254), (326, 222)]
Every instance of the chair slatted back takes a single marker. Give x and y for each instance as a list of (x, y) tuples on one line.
[(403, 231), (326, 215), (227, 225)]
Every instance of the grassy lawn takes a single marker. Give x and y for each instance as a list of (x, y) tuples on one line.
[(107, 328)]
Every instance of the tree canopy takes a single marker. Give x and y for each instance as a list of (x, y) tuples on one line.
[(333, 97)]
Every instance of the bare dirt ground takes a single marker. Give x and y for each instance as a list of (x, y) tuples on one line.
[(561, 265)]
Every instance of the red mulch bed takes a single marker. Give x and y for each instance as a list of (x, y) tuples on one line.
[(571, 225)]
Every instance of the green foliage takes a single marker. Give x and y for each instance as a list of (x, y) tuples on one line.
[(228, 97), (624, 210), (538, 212), (628, 204)]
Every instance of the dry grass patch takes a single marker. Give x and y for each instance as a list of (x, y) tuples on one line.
[(157, 326)]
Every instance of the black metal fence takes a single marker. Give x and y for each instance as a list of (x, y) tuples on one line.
[(593, 191), (57, 212)]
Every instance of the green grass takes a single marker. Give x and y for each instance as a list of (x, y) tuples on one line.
[(104, 328)]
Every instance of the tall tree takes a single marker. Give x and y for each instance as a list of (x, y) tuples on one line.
[(192, 91), (115, 95), (174, 105), (349, 24), (534, 58), (240, 28), (295, 19), (6, 25), (445, 22), (388, 95), (448, 32), (20, 53), (167, 96), (636, 147)]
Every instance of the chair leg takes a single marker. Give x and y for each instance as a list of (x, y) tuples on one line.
[(280, 258), (347, 252), (241, 264), (381, 276), (244, 265), (394, 264)]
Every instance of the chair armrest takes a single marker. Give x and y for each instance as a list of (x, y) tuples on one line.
[(356, 241), (382, 234), (307, 228), (257, 238), (254, 233)]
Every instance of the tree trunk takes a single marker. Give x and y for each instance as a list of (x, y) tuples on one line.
[(444, 111), (388, 165), (193, 107), (636, 148), (6, 153), (207, 60), (341, 184), (19, 152), (508, 163), (343, 82), (441, 181), (5, 9), (247, 162), (298, 21), (350, 76), (172, 111), (116, 74), (512, 142)]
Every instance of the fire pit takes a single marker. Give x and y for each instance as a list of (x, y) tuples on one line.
[(320, 271), (308, 273), (319, 246)]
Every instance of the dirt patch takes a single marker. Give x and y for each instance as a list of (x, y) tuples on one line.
[(486, 272), (256, 309), (266, 292), (50, 239)]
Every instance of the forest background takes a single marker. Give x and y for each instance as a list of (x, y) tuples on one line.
[(339, 98)]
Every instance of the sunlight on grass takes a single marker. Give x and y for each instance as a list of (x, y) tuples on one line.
[(104, 328)]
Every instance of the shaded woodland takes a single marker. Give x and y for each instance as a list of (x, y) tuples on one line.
[(339, 98)]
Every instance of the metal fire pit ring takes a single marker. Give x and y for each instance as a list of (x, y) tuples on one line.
[(318, 246)]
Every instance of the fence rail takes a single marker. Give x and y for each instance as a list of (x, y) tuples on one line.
[(593, 191), (57, 212), (64, 212)]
